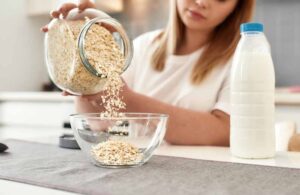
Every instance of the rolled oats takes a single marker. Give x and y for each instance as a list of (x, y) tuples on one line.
[(114, 152), (102, 52)]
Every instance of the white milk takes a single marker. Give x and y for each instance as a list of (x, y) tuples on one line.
[(252, 133)]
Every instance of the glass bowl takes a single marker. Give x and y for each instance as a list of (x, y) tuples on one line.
[(125, 141)]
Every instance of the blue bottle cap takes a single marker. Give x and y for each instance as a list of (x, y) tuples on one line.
[(252, 27)]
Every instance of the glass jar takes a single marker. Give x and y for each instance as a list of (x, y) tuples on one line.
[(82, 49)]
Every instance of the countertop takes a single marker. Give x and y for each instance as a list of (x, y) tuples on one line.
[(282, 97), (35, 96), (50, 135)]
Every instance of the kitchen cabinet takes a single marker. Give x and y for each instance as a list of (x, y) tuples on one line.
[(43, 8), (42, 109), (52, 109), (288, 107)]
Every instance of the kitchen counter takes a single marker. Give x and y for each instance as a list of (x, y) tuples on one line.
[(46, 128), (282, 97), (49, 109), (35, 96), (50, 135), (13, 105)]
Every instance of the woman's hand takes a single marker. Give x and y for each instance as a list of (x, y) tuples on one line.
[(66, 7), (125, 92), (93, 103)]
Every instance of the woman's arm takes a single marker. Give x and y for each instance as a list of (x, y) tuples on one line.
[(185, 127), (82, 105)]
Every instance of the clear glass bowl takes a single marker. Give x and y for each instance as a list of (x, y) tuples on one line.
[(125, 141), (79, 46)]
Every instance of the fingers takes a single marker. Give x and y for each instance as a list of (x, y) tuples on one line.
[(44, 29), (96, 104), (55, 14), (65, 8), (108, 27), (84, 4), (92, 97), (95, 97), (65, 93), (123, 80)]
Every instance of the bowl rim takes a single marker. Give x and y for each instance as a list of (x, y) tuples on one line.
[(129, 116)]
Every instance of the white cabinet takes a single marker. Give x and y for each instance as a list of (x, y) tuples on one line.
[(43, 7), (288, 107), (288, 113), (35, 109), (52, 109)]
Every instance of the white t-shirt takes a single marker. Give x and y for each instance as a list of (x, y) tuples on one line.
[(173, 85)]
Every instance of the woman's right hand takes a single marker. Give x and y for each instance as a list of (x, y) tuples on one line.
[(66, 7)]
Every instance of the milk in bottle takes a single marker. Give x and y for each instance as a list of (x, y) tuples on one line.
[(252, 133)]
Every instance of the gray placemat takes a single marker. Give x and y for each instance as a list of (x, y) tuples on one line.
[(69, 170)]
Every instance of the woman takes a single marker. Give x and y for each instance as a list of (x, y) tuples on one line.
[(183, 70)]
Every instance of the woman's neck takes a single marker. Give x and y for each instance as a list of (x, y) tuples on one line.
[(192, 41)]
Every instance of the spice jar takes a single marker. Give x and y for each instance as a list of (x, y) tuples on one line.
[(82, 49)]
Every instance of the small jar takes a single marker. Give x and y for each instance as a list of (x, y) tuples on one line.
[(82, 49)]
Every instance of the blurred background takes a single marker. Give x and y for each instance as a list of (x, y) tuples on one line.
[(22, 53)]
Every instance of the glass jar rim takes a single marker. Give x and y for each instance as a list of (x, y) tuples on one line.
[(123, 116), (127, 44)]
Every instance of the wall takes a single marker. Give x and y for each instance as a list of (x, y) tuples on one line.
[(140, 16), (22, 65), (282, 24)]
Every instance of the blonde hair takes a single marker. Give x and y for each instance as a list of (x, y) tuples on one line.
[(219, 49)]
